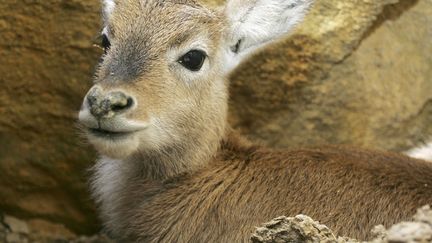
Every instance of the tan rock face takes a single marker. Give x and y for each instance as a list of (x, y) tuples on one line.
[(357, 72), (302, 228), (46, 65)]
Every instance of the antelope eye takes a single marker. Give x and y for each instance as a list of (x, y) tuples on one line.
[(106, 44), (193, 60)]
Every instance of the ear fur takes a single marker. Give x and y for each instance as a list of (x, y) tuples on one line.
[(254, 23), (423, 152), (107, 9)]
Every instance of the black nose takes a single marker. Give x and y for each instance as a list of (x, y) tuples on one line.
[(108, 105)]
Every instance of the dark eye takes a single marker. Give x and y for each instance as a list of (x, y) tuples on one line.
[(193, 60), (105, 42)]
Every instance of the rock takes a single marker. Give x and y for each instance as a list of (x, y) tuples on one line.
[(298, 229), (3, 232), (93, 239), (418, 231), (379, 233), (42, 229), (46, 65), (424, 215), (16, 225), (13, 230), (303, 229), (356, 72), (15, 238), (410, 232), (340, 78)]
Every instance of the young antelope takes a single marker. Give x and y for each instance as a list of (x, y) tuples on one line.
[(172, 170)]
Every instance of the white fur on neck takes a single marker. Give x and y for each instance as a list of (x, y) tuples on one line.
[(113, 179), (423, 152), (107, 186), (107, 179), (109, 183)]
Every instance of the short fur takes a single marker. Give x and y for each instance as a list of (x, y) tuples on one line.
[(422, 152), (178, 173), (348, 189)]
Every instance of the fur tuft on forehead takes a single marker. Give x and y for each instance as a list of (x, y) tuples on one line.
[(182, 1), (109, 5), (185, 2)]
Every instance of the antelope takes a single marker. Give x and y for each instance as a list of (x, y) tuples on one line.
[(172, 170)]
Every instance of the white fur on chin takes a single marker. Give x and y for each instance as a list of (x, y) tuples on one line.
[(115, 148)]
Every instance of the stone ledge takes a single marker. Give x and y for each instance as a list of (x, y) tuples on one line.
[(302, 228)]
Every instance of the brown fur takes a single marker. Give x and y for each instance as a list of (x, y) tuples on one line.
[(184, 178), (348, 189)]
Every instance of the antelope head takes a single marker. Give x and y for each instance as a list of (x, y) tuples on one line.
[(161, 86)]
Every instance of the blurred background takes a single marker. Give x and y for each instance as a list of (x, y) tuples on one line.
[(356, 72)]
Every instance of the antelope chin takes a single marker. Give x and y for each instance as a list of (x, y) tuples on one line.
[(116, 145), (115, 137)]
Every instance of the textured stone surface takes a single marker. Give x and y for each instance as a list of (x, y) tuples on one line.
[(16, 225), (357, 72), (13, 230), (304, 229), (46, 65), (300, 228)]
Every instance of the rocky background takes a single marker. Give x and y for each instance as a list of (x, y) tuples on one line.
[(302, 228), (356, 72)]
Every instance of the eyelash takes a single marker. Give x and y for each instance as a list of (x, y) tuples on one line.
[(105, 42)]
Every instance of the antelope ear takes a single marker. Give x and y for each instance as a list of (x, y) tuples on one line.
[(107, 9), (254, 23)]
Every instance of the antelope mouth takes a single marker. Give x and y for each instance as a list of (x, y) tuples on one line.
[(117, 127), (107, 134), (113, 142)]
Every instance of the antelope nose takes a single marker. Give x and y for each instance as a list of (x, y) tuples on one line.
[(109, 105)]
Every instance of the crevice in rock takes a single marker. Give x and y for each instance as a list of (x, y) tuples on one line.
[(390, 12)]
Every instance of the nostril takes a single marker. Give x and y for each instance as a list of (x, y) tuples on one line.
[(121, 102), (117, 107), (130, 103), (123, 106), (91, 100)]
